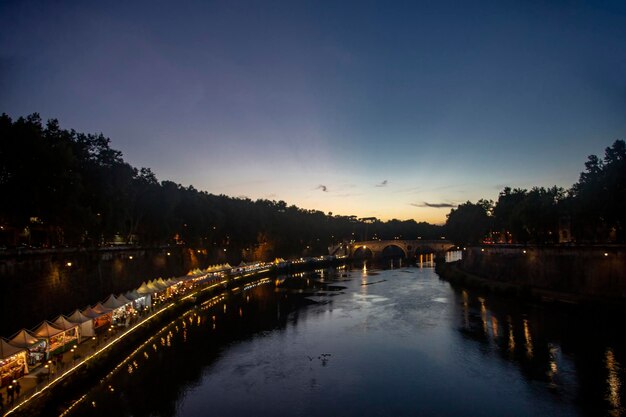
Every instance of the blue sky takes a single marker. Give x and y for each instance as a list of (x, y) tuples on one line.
[(368, 108)]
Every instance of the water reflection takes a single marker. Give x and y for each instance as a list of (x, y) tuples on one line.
[(614, 383), (394, 350), (562, 348)]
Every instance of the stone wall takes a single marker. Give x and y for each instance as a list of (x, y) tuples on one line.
[(591, 271)]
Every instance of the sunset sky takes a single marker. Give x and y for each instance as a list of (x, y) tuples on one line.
[(387, 109)]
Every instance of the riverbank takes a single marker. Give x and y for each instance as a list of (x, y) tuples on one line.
[(90, 361), (513, 277)]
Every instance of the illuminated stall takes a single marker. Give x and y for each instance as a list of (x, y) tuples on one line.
[(166, 287), (35, 347), (13, 362), (147, 291), (121, 308), (139, 300), (101, 320), (156, 291), (58, 340), (84, 323), (71, 329)]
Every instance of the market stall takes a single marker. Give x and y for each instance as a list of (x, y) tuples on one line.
[(84, 323), (35, 347), (101, 320), (72, 330), (120, 309), (13, 362), (157, 291), (139, 300), (58, 340)]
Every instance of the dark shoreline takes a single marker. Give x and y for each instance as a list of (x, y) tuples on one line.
[(453, 273), (60, 396)]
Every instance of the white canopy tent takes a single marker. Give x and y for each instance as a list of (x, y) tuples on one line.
[(118, 309), (112, 303), (99, 319), (63, 323), (142, 300), (13, 362), (57, 338), (36, 347), (85, 323)]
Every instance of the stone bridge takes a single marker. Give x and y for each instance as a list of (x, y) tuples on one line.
[(381, 248)]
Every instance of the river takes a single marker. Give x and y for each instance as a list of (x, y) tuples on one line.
[(370, 342)]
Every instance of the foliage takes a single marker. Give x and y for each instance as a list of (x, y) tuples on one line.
[(64, 188), (470, 223), (595, 207), (600, 196)]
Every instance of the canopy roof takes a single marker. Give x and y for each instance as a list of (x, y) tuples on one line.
[(219, 267), (99, 308), (112, 302), (7, 350), (132, 295), (62, 323), (78, 317), (47, 330), (23, 339), (89, 312), (122, 299), (161, 283), (144, 289), (153, 287)]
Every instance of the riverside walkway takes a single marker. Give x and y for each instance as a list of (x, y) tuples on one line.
[(54, 371)]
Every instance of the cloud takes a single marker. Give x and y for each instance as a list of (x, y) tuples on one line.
[(322, 187), (434, 205), (382, 184)]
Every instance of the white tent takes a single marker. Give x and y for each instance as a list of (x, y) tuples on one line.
[(99, 318), (99, 308), (36, 347), (13, 360), (89, 312), (63, 323), (112, 303), (56, 337), (144, 289), (85, 323), (23, 339), (46, 330), (123, 299), (139, 299), (7, 350), (132, 295)]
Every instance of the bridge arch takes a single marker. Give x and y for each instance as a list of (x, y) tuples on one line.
[(362, 252), (409, 249), (394, 251)]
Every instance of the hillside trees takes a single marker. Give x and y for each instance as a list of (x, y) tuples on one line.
[(61, 187)]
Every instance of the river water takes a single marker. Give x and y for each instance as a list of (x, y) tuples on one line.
[(370, 342)]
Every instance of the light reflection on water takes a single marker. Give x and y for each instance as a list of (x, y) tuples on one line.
[(404, 344)]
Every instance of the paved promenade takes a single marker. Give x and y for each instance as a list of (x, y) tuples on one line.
[(46, 375)]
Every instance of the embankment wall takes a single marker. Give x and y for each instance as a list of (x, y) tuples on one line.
[(589, 272)]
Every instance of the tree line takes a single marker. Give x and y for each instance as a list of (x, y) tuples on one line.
[(64, 188), (592, 211)]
